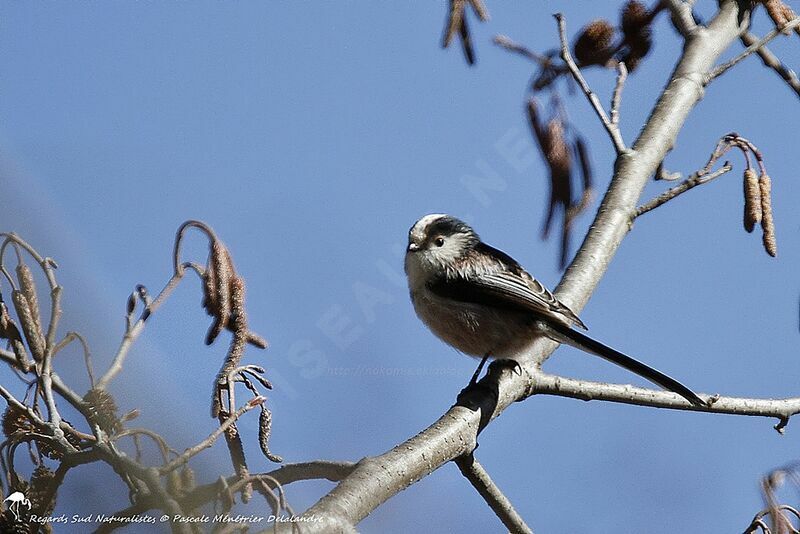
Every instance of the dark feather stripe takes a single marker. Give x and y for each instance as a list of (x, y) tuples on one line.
[(471, 292), (588, 344)]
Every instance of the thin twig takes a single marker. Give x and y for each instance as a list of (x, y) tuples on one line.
[(508, 44), (773, 62), (612, 129), (543, 383), (616, 99), (87, 355), (132, 333), (209, 441), (693, 181), (155, 437), (286, 474), (497, 501), (754, 47)]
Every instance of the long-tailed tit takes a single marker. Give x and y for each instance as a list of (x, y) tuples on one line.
[(483, 303)]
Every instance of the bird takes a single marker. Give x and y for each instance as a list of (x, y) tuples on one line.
[(483, 303)]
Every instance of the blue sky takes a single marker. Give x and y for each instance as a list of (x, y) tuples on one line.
[(311, 136)]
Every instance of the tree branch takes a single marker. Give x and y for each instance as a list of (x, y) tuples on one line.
[(611, 128), (693, 181), (753, 47), (616, 98), (286, 474), (682, 16), (499, 503), (772, 61), (209, 441), (508, 44), (136, 329), (587, 390)]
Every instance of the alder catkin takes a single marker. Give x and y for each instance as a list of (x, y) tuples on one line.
[(30, 327), (28, 288), (752, 200), (264, 431), (767, 224)]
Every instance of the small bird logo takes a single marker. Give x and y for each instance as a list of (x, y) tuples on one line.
[(17, 498)]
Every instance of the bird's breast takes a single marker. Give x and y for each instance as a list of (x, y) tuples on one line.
[(473, 329)]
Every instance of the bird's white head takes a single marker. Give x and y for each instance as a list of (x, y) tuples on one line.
[(436, 243)]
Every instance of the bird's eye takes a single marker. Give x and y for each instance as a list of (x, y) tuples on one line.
[(439, 241)]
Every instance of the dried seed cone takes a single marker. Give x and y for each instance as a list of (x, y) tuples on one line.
[(752, 200), (30, 326), (15, 420), (102, 410), (634, 17), (593, 46), (767, 224), (635, 22), (41, 479)]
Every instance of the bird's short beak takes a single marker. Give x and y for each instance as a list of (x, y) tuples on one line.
[(413, 247)]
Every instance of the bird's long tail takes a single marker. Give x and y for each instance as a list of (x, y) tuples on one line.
[(564, 334)]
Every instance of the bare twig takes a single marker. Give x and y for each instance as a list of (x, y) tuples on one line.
[(611, 128), (87, 355), (616, 99), (163, 448), (516, 48), (286, 474), (497, 501), (131, 334), (773, 62), (781, 409), (694, 180), (754, 47), (209, 441), (759, 523)]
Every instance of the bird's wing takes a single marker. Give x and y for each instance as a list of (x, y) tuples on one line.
[(506, 290)]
